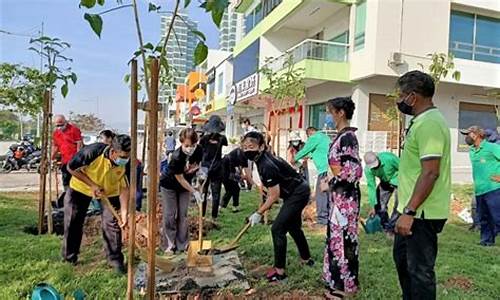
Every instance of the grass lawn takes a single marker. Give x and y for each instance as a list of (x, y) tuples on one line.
[(464, 270)]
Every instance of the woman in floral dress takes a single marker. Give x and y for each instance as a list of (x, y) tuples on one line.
[(341, 264)]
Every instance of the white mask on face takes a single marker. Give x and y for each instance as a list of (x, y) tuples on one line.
[(188, 150)]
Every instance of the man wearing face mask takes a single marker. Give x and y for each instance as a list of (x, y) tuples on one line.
[(424, 187), (66, 140), (295, 145), (316, 147), (485, 159), (97, 170)]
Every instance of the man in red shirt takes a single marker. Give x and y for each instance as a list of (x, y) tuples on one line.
[(66, 140)]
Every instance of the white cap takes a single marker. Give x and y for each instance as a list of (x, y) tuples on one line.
[(294, 136), (371, 160)]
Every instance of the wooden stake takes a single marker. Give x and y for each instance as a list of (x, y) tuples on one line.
[(133, 179), (152, 179), (43, 162), (49, 151)]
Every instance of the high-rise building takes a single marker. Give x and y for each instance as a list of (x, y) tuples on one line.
[(231, 29), (180, 52)]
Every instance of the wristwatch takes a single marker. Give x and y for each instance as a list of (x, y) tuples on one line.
[(408, 211)]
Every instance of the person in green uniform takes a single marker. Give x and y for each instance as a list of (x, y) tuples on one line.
[(485, 159), (385, 167), (424, 187), (317, 146)]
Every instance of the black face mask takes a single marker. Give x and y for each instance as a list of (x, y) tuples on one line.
[(469, 141), (252, 154), (405, 108)]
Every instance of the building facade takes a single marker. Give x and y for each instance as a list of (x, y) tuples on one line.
[(180, 55), (359, 48), (231, 29)]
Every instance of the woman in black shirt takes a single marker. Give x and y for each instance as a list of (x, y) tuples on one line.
[(281, 181), (176, 190)]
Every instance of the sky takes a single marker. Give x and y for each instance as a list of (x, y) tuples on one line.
[(99, 63)]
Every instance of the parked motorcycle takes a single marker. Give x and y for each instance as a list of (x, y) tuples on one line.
[(31, 160)]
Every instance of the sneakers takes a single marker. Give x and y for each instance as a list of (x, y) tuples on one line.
[(308, 263), (273, 276), (236, 209), (120, 269)]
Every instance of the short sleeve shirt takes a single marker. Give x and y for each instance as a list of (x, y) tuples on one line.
[(180, 164), (66, 141), (428, 137), (274, 170), (485, 163)]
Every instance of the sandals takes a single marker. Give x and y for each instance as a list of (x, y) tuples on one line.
[(273, 276), (335, 294)]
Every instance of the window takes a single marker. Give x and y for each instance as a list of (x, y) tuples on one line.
[(380, 120), (317, 115), (338, 53), (359, 28), (247, 62), (475, 114), (475, 37), (220, 83)]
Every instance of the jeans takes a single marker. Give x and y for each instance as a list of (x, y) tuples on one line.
[(415, 257), (488, 211), (175, 219), (322, 202), (75, 210), (289, 220), (384, 193)]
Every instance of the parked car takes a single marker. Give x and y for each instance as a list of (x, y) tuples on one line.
[(90, 138)]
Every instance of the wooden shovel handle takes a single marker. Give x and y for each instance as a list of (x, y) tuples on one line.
[(240, 234), (200, 227), (105, 201)]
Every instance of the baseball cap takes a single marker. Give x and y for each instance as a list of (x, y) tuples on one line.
[(474, 129), (371, 160)]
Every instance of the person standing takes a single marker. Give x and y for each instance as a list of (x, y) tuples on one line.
[(281, 181), (385, 167), (169, 143), (66, 140), (424, 187), (247, 126), (485, 159), (295, 145), (341, 262), (97, 170), (176, 191), (212, 143), (316, 147), (235, 166)]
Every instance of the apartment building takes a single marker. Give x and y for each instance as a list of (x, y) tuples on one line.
[(359, 48)]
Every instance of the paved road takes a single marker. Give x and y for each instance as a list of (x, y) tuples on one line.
[(19, 181)]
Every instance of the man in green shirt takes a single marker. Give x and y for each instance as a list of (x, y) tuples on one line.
[(317, 146), (384, 166), (485, 159), (424, 187)]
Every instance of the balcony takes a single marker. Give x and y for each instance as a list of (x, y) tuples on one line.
[(319, 60), (475, 52)]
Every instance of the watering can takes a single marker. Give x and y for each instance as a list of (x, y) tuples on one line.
[(44, 291), (372, 224)]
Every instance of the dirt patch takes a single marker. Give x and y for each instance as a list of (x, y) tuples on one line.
[(309, 213), (456, 206), (91, 229), (459, 282)]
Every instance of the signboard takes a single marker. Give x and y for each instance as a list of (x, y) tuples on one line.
[(244, 88)]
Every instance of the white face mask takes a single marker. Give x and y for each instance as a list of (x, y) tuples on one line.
[(188, 150), (295, 143)]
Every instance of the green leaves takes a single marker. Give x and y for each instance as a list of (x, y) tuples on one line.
[(95, 22), (73, 77), (200, 53), (153, 7), (216, 8), (88, 3), (51, 78), (100, 2), (186, 3), (199, 34), (64, 90), (217, 16)]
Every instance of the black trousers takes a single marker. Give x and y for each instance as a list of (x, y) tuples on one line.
[(384, 193), (289, 220), (75, 210), (66, 176), (215, 188), (232, 191), (415, 257)]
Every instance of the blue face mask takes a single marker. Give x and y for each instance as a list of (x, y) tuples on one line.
[(329, 121), (121, 161)]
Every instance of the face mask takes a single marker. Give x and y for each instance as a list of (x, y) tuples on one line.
[(251, 154), (469, 141), (295, 143), (329, 121), (121, 161), (188, 150), (405, 108), (61, 127)]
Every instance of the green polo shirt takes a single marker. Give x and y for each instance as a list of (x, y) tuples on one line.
[(485, 161), (316, 146), (428, 137), (386, 172)]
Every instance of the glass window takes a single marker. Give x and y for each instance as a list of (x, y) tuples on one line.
[(220, 83), (482, 44), (475, 114), (337, 52), (317, 115), (247, 62), (359, 28), (380, 120)]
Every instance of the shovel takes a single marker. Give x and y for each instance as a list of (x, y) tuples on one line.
[(195, 258), (232, 246)]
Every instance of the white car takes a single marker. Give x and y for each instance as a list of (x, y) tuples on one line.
[(90, 138)]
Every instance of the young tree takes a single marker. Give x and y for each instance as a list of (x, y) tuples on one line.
[(86, 122), (9, 125)]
